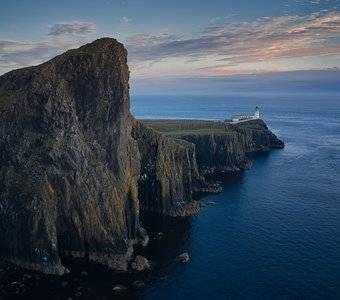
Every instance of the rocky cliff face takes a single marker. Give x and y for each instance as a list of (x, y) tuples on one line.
[(227, 151), (68, 164), (169, 172), (76, 167)]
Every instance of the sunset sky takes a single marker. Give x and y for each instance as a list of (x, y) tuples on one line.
[(172, 40)]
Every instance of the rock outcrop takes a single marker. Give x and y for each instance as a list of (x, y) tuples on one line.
[(140, 263), (184, 257), (68, 164), (228, 151), (169, 172)]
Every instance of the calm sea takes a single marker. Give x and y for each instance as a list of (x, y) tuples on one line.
[(274, 232)]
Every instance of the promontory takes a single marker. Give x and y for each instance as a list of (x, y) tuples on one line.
[(76, 168)]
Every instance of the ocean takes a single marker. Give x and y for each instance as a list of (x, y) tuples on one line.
[(274, 232)]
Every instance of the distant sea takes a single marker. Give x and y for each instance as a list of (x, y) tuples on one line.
[(274, 232)]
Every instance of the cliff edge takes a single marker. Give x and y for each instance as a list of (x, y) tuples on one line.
[(69, 166), (220, 146)]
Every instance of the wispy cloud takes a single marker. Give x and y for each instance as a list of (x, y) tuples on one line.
[(72, 28), (264, 39), (62, 36), (312, 82), (126, 20), (7, 46), (222, 47)]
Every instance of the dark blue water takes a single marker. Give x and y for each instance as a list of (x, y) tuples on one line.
[(274, 232)]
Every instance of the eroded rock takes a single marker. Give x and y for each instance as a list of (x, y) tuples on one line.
[(140, 263)]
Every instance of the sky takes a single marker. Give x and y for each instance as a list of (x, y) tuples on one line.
[(186, 44)]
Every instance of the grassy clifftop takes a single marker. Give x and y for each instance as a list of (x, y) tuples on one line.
[(186, 127), (177, 128)]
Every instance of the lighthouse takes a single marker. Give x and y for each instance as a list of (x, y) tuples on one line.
[(257, 113)]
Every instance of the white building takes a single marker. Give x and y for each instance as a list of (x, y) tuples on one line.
[(239, 118), (257, 113)]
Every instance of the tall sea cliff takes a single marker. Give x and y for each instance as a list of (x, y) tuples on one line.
[(76, 167)]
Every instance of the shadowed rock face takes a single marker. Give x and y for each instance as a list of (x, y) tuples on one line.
[(221, 152), (69, 167), (169, 172)]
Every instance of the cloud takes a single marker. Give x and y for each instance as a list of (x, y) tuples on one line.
[(126, 20), (62, 36), (311, 82), (236, 43), (72, 28), (214, 20), (7, 46)]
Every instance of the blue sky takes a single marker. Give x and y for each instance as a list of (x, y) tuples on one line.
[(172, 40)]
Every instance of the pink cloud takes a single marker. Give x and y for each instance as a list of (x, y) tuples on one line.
[(264, 39)]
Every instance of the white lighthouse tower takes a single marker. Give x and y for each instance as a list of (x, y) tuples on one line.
[(257, 113)]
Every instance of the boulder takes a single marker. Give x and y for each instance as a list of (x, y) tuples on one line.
[(119, 288), (140, 263), (184, 257)]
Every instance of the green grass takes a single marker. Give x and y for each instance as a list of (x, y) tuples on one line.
[(253, 124), (177, 128), (6, 98)]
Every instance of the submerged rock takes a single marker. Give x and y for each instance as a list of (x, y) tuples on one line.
[(78, 294), (159, 235), (138, 283), (119, 288)]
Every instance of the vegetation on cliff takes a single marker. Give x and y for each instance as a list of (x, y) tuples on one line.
[(180, 127), (220, 146)]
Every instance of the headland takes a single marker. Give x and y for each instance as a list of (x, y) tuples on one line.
[(76, 167)]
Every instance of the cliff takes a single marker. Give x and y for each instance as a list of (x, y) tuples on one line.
[(76, 167), (169, 172), (69, 166), (228, 152), (220, 146)]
